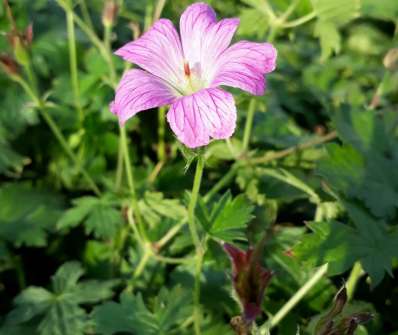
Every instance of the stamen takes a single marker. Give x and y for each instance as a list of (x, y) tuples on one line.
[(187, 70)]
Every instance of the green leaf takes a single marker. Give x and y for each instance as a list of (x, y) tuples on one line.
[(27, 214), (329, 37), (332, 15), (99, 216), (338, 12), (58, 312), (154, 207), (9, 159), (372, 243), (17, 330), (328, 243), (132, 316), (227, 218), (31, 302), (386, 9), (365, 168)]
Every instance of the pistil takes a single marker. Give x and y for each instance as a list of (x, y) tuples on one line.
[(187, 71)]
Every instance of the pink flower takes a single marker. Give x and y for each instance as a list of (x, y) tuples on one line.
[(249, 279), (186, 73)]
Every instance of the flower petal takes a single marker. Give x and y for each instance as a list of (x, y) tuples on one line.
[(139, 90), (244, 65), (203, 38), (158, 51), (208, 113)]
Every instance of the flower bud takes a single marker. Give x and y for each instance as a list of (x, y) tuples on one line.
[(109, 13), (325, 323), (390, 60), (28, 35), (349, 324), (249, 280), (9, 65)]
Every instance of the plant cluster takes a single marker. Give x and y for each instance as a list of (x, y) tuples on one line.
[(273, 212)]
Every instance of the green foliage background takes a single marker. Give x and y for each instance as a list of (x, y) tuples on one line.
[(319, 175)]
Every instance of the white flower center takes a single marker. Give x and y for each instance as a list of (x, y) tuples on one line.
[(192, 81)]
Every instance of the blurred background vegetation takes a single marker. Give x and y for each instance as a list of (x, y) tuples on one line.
[(70, 262)]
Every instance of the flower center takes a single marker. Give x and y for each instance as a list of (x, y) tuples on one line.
[(192, 79)]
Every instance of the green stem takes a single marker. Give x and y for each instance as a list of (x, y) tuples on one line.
[(143, 261), (356, 273), (269, 157), (107, 56), (193, 200), (196, 240), (73, 62), (107, 37), (294, 300), (161, 134), (289, 10), (158, 10), (170, 234), (300, 21), (86, 14), (131, 183), (224, 181), (119, 166), (249, 124)]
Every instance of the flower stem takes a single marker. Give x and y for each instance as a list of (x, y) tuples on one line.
[(107, 56), (294, 300), (196, 240), (119, 166), (161, 133), (73, 63), (249, 124), (131, 183)]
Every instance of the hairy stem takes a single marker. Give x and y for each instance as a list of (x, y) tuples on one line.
[(131, 183), (249, 124), (161, 133), (196, 240), (73, 63)]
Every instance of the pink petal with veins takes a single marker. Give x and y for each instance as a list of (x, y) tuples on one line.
[(158, 51), (203, 38), (244, 64), (208, 113), (137, 91)]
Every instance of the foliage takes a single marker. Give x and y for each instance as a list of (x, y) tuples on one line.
[(316, 183), (58, 311)]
